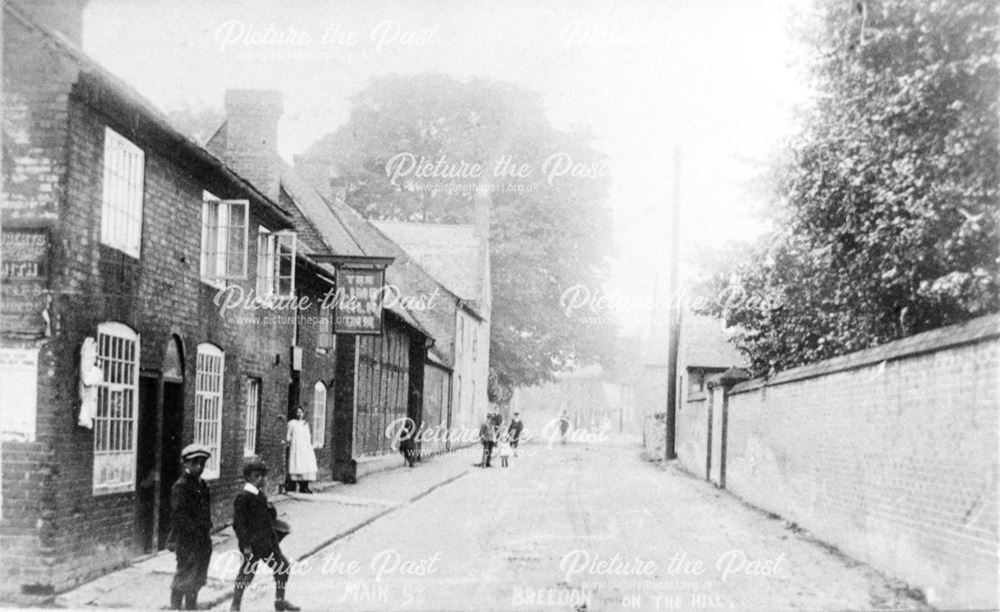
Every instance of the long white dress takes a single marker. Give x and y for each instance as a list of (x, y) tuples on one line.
[(301, 458)]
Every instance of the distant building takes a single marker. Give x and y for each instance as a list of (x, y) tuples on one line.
[(458, 257), (704, 352)]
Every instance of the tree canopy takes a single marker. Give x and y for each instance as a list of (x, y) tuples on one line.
[(411, 150), (887, 201)]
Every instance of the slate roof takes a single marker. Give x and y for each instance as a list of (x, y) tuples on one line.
[(450, 253), (322, 228), (370, 235), (335, 237)]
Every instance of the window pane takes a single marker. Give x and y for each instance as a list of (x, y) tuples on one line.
[(121, 209), (208, 404), (236, 240), (286, 263), (114, 424)]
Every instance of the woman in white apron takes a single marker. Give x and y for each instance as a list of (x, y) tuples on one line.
[(301, 458)]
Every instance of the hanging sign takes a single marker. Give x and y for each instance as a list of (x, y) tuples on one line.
[(358, 301)]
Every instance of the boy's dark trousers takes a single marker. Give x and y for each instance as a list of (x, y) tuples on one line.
[(190, 504), (279, 565), (487, 453), (192, 563)]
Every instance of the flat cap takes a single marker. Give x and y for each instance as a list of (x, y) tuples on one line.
[(195, 451)]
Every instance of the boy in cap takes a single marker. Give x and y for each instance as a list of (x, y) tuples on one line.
[(488, 437), (254, 527), (191, 515)]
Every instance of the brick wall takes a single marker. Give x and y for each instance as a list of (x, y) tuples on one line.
[(55, 532), (889, 454), (691, 440), (160, 295), (34, 172)]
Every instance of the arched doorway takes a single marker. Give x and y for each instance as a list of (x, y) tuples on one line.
[(161, 423), (172, 419)]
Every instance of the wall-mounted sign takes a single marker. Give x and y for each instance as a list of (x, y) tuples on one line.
[(24, 277), (358, 303)]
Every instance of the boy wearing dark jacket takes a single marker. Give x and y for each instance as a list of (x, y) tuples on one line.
[(254, 527), (191, 518), (514, 431)]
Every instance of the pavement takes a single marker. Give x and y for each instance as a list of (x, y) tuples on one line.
[(334, 511)]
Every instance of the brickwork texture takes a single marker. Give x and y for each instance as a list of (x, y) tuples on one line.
[(890, 454)]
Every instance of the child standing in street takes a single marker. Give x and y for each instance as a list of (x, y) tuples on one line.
[(254, 527), (191, 517), (505, 449)]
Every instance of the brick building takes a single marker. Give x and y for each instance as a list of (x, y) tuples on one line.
[(704, 354), (129, 255), (379, 378), (124, 355)]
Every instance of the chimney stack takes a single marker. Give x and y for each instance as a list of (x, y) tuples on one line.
[(63, 16), (252, 137)]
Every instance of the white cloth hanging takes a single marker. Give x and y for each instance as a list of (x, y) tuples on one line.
[(90, 375)]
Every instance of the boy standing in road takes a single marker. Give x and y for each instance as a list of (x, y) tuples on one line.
[(488, 437), (514, 431), (254, 527), (191, 515)]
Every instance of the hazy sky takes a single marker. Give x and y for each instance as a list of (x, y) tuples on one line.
[(710, 76)]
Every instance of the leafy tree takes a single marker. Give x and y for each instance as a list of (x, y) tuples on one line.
[(549, 227), (888, 199)]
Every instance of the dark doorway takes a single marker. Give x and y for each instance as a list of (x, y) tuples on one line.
[(146, 463), (294, 389), (170, 444)]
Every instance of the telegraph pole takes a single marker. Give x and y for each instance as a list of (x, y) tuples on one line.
[(673, 312)]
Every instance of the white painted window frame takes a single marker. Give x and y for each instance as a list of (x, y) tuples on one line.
[(251, 416), (275, 263), (116, 421), (208, 404), (121, 201), (225, 232)]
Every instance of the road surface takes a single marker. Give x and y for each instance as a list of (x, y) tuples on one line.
[(580, 527)]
